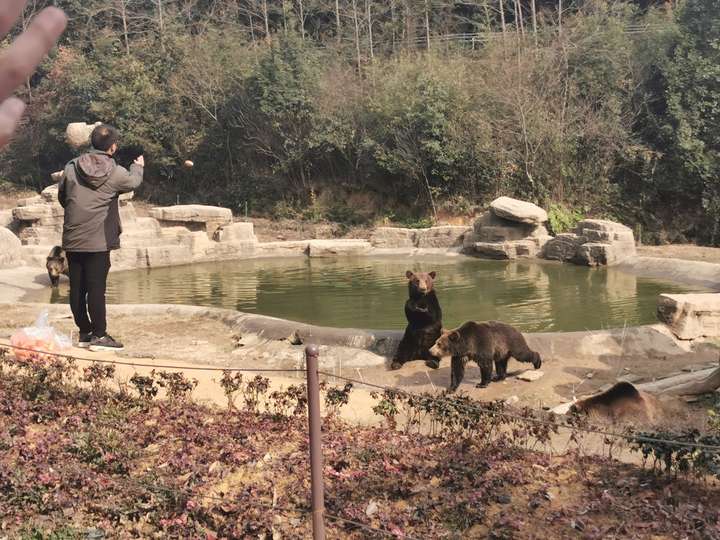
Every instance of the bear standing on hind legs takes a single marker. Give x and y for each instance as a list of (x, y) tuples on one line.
[(484, 343), (424, 317)]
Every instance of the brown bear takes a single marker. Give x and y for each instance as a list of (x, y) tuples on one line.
[(424, 317), (621, 402), (483, 343), (56, 264)]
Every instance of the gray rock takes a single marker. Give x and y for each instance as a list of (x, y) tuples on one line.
[(690, 316), (393, 237), (10, 249), (78, 134), (531, 375), (517, 210), (563, 247)]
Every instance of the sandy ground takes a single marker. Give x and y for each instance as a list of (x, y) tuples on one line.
[(572, 366), (687, 252)]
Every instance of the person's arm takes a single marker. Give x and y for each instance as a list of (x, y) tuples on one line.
[(128, 181), (21, 58)]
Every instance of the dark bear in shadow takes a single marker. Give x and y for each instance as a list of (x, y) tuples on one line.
[(424, 317), (484, 343), (126, 155), (56, 264)]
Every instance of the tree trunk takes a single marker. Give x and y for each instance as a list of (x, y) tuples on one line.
[(123, 16), (357, 35), (267, 21), (392, 23), (427, 26), (690, 384), (534, 21), (369, 25), (161, 24), (560, 16), (302, 20), (337, 20), (502, 17)]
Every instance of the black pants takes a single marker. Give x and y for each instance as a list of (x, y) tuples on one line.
[(88, 278)]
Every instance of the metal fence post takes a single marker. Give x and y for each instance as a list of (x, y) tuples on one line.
[(316, 461)]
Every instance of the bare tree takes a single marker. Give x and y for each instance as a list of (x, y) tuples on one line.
[(369, 26)]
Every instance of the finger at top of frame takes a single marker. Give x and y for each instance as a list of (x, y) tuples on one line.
[(9, 14), (11, 110), (19, 60)]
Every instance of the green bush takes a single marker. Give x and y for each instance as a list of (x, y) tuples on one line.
[(563, 219)]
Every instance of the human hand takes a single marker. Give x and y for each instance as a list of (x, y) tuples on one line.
[(140, 161), (21, 58)]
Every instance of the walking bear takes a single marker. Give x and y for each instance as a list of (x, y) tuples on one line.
[(56, 264), (483, 343), (424, 317)]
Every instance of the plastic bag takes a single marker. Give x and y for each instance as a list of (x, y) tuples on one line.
[(38, 339)]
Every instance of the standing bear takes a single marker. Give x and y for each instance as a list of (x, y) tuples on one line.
[(56, 264), (424, 317), (483, 343)]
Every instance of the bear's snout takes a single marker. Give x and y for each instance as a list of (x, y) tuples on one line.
[(436, 351)]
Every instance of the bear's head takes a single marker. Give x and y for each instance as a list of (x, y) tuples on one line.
[(450, 343), (55, 267), (421, 283)]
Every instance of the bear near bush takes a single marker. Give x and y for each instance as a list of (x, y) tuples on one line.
[(424, 317), (56, 264), (484, 343)]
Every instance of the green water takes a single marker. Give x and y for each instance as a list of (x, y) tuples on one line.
[(370, 292)]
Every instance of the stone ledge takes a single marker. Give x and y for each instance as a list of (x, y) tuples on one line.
[(690, 316)]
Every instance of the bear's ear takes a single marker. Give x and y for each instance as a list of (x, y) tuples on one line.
[(433, 274), (409, 274), (454, 336)]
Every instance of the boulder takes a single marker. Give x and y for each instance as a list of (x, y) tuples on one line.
[(334, 248), (10, 249), (600, 230), (35, 199), (192, 213), (563, 247), (442, 237), (393, 237), (167, 256), (690, 316), (41, 235), (519, 211), (281, 249), (35, 255), (6, 218), (194, 216), (236, 232), (598, 254), (78, 134), (516, 249), (126, 196), (36, 212), (57, 176), (50, 193)]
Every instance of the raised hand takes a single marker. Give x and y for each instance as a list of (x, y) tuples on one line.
[(20, 59)]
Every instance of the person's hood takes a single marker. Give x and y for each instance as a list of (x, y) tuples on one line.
[(95, 168)]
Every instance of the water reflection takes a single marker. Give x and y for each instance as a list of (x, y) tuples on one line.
[(370, 293)]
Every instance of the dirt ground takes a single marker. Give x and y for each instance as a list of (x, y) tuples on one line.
[(689, 252), (206, 342)]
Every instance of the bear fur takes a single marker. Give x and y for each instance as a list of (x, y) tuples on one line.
[(484, 343), (620, 402), (424, 317), (56, 264)]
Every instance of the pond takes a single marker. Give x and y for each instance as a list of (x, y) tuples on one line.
[(370, 292)]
